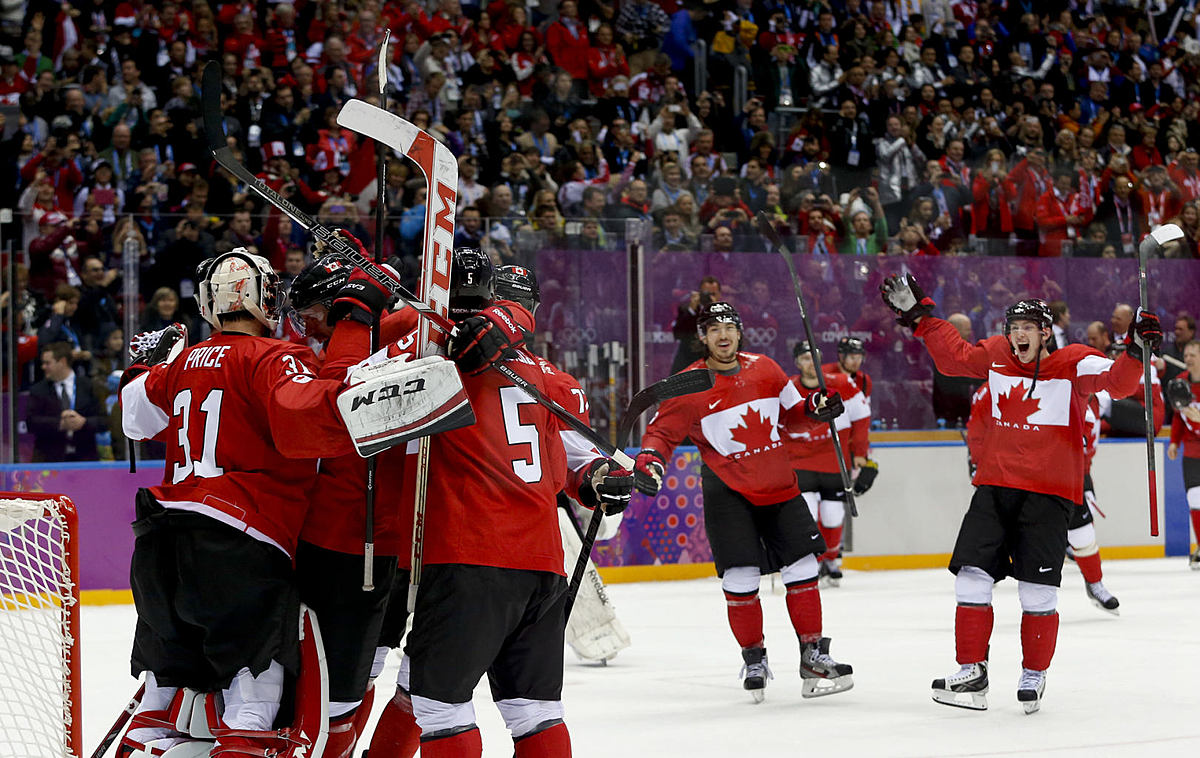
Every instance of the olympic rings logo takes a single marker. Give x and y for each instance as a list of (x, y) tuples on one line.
[(758, 336), (571, 335)]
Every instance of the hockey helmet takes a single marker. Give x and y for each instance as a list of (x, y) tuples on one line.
[(851, 346), (319, 282), (803, 347), (1179, 393), (1032, 309), (242, 281), (472, 282), (719, 312), (519, 284), (202, 296)]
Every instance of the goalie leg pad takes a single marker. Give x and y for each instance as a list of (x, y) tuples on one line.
[(593, 631), (397, 400)]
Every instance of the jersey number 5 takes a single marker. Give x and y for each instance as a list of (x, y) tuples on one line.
[(207, 465), (529, 468)]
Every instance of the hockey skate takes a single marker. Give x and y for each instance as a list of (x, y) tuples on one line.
[(755, 672), (965, 689), (1102, 598), (1194, 561), (829, 574), (1030, 689), (820, 674)]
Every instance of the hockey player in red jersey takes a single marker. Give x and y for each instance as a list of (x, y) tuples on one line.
[(1185, 431), (851, 352), (1081, 531), (1029, 473), (816, 463), (750, 494), (212, 564)]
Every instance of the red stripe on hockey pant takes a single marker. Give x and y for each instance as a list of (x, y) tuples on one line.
[(1089, 566), (833, 541), (554, 742), (1039, 633), (972, 632), (1196, 524), (804, 608), (745, 618), (466, 744), (397, 734)]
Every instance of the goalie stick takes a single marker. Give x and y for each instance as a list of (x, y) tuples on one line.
[(767, 230), (676, 385), (122, 720)]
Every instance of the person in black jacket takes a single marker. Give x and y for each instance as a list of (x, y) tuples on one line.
[(64, 415)]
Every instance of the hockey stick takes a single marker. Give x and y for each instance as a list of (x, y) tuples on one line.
[(684, 383), (122, 720), (767, 230), (1153, 243), (380, 217)]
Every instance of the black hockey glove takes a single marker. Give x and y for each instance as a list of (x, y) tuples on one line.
[(612, 487), (148, 349), (1179, 393), (866, 477), (904, 296), (360, 299), (483, 339), (649, 468), (824, 407), (1146, 333)]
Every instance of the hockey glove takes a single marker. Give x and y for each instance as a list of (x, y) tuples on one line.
[(360, 299), (824, 407), (613, 487), (1179, 393), (904, 296), (866, 477), (649, 469), (1146, 333), (483, 339), (148, 349)]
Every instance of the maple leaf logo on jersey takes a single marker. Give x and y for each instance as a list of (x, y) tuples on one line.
[(1015, 407), (754, 431)]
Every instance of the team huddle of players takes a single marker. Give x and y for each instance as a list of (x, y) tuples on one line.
[(260, 514)]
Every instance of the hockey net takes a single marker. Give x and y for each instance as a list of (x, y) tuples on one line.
[(39, 627)]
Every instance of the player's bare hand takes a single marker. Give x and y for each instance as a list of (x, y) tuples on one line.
[(1172, 451)]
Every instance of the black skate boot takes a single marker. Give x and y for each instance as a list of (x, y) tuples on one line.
[(1102, 598), (1194, 561), (834, 567), (1030, 689), (966, 689), (755, 672), (820, 674)]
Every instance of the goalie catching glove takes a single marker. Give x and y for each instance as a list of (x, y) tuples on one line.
[(480, 340), (866, 477), (649, 468), (612, 487), (904, 296), (148, 349), (824, 407), (1146, 332)]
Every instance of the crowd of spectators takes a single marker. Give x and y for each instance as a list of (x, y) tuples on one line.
[(862, 127)]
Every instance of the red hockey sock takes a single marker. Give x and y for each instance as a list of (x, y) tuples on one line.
[(1039, 633), (1089, 566), (804, 608), (1196, 524), (342, 737), (466, 744), (554, 742), (397, 734), (972, 632), (745, 618), (833, 541)]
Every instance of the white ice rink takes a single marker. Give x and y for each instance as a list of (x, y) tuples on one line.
[(1124, 686)]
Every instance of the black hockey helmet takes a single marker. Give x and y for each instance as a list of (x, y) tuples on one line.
[(719, 312), (319, 282), (1179, 393), (802, 347), (472, 282), (1037, 311), (851, 346), (519, 284)]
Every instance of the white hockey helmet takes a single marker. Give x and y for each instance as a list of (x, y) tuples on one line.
[(241, 281)]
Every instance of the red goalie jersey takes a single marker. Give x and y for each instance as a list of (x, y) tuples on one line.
[(813, 444)]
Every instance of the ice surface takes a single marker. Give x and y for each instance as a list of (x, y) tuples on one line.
[(1118, 687)]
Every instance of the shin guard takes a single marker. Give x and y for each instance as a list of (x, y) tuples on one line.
[(972, 632), (466, 744), (397, 734), (1039, 634), (804, 609), (552, 742), (745, 618)]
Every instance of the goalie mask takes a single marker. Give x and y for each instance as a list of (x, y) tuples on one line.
[(472, 282), (1179, 393), (520, 285), (203, 299), (242, 281)]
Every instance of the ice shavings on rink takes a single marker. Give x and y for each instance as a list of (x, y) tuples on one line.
[(1118, 686)]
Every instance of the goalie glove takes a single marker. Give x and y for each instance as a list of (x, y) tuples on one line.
[(148, 349), (612, 487), (1146, 332), (482, 339), (649, 468), (823, 407), (904, 296), (866, 477)]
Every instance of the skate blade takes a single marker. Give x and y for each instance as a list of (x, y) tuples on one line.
[(1031, 706), (1114, 611), (974, 701), (757, 696), (821, 687)]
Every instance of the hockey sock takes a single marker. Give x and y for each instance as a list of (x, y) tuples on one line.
[(342, 737), (552, 742), (467, 744), (745, 617), (804, 608), (972, 632), (1039, 634), (1089, 566), (397, 733), (833, 541), (1196, 523)]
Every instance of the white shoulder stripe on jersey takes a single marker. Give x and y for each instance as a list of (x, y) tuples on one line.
[(789, 396), (579, 451), (857, 408), (140, 418), (1092, 365)]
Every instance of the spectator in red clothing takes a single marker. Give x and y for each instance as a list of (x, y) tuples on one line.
[(605, 60), (12, 83), (1146, 153), (65, 175), (53, 255), (992, 194), (567, 41), (245, 43), (1185, 172), (282, 43), (515, 27), (1061, 215), (1031, 180), (1160, 198), (724, 207)]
